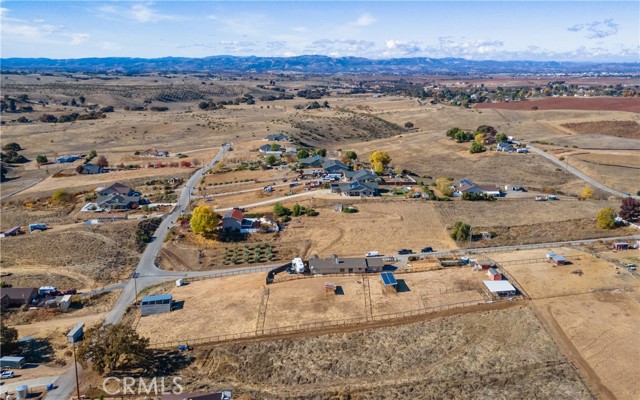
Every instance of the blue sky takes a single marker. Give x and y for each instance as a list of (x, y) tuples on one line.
[(479, 30)]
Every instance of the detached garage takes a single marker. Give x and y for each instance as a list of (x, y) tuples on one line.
[(500, 288), (12, 362), (157, 304)]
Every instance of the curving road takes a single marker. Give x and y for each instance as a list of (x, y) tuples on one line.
[(577, 173)]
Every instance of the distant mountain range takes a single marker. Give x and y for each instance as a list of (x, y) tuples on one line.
[(312, 64)]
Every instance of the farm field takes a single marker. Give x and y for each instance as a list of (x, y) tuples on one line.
[(460, 356), (235, 301), (541, 280), (568, 103), (605, 352)]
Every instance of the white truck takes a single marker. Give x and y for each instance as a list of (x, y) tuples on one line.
[(372, 254)]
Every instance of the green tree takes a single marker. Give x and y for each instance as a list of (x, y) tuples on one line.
[(275, 147), (321, 152), (12, 146), (488, 129), (408, 125), (501, 138), (280, 211), (113, 347), (351, 155), (302, 153), (82, 99), (460, 231), (296, 210), (271, 159), (12, 105), (74, 102), (606, 218), (40, 159), (8, 337), (61, 196), (203, 220), (476, 148), (451, 133)]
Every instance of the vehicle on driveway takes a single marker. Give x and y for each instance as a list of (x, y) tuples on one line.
[(405, 251), (426, 250), (6, 374)]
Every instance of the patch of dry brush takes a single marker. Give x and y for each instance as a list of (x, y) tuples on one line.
[(484, 355)]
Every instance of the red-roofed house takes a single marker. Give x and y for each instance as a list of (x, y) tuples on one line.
[(232, 221)]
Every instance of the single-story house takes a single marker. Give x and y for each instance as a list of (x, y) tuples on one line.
[(361, 175), (17, 297), (291, 150), (494, 274), (334, 167), (267, 147), (232, 221), (466, 186), (278, 137), (500, 288), (356, 188), (157, 304), (337, 265), (313, 161), (91, 169), (505, 147), (118, 202)]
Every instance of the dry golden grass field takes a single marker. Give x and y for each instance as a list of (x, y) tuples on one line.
[(234, 302), (598, 329), (542, 280), (482, 355)]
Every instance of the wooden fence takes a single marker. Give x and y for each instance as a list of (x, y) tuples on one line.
[(311, 326)]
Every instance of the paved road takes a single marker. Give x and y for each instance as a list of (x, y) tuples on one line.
[(284, 198), (577, 173), (259, 188), (403, 259), (149, 273)]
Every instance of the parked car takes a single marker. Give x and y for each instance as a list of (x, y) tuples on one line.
[(426, 250), (6, 374), (405, 251)]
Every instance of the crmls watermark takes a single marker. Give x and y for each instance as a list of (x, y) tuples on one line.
[(150, 386)]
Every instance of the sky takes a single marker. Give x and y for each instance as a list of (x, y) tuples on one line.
[(476, 30)]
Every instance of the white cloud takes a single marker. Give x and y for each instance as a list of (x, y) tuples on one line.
[(365, 20), (138, 12), (78, 38), (339, 48), (396, 48), (597, 29)]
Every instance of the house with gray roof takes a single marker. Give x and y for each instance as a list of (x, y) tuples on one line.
[(338, 265), (313, 161), (266, 148), (91, 169), (466, 186), (361, 175), (334, 167), (115, 201), (278, 137)]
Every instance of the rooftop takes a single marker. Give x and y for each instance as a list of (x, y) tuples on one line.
[(158, 297), (499, 286)]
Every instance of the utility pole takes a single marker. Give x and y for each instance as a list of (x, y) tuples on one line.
[(135, 285), (470, 236), (75, 364)]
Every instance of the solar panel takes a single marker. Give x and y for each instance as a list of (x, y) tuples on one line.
[(388, 279)]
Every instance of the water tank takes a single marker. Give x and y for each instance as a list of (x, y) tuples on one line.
[(21, 392)]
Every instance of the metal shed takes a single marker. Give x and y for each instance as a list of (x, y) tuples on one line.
[(157, 304), (12, 362), (76, 333), (501, 288)]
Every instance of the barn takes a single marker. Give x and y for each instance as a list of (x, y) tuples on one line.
[(157, 304), (494, 274), (500, 288)]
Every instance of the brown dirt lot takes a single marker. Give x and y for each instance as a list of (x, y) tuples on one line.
[(236, 301), (462, 356), (385, 226), (602, 328), (631, 104), (542, 280)]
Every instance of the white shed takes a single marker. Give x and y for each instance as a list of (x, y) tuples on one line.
[(65, 302)]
